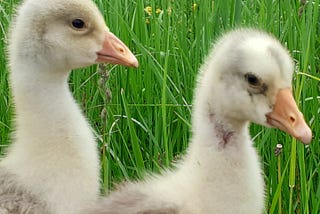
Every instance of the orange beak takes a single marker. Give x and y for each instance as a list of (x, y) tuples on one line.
[(114, 51), (287, 117)]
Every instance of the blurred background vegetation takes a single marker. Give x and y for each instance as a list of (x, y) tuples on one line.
[(141, 117)]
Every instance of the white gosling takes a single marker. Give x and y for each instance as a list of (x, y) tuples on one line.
[(53, 165), (247, 77)]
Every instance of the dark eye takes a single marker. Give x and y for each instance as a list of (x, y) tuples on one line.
[(252, 79), (78, 23), (256, 85)]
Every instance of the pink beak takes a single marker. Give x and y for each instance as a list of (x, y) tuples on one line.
[(287, 117), (114, 51)]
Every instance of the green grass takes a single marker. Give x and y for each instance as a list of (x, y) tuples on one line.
[(144, 125)]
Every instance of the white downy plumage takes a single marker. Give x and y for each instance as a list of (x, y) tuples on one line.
[(246, 78), (52, 165)]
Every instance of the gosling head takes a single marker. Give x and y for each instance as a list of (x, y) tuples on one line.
[(248, 77), (65, 35)]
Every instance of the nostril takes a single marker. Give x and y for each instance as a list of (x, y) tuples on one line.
[(121, 50), (292, 119)]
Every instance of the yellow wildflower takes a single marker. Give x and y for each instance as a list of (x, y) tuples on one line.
[(169, 10), (148, 10), (158, 10), (194, 6), (147, 21)]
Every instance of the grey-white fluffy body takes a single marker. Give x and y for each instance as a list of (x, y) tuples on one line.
[(221, 171), (52, 165), (15, 199)]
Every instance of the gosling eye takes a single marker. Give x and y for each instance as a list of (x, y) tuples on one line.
[(78, 24), (252, 79), (256, 85)]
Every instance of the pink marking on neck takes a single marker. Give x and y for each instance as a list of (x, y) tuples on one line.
[(222, 133)]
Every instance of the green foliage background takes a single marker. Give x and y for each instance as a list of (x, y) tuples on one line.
[(142, 116)]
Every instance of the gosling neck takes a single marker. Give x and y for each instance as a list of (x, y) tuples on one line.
[(213, 127), (44, 107)]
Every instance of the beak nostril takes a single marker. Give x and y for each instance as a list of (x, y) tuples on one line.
[(121, 50), (292, 119)]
